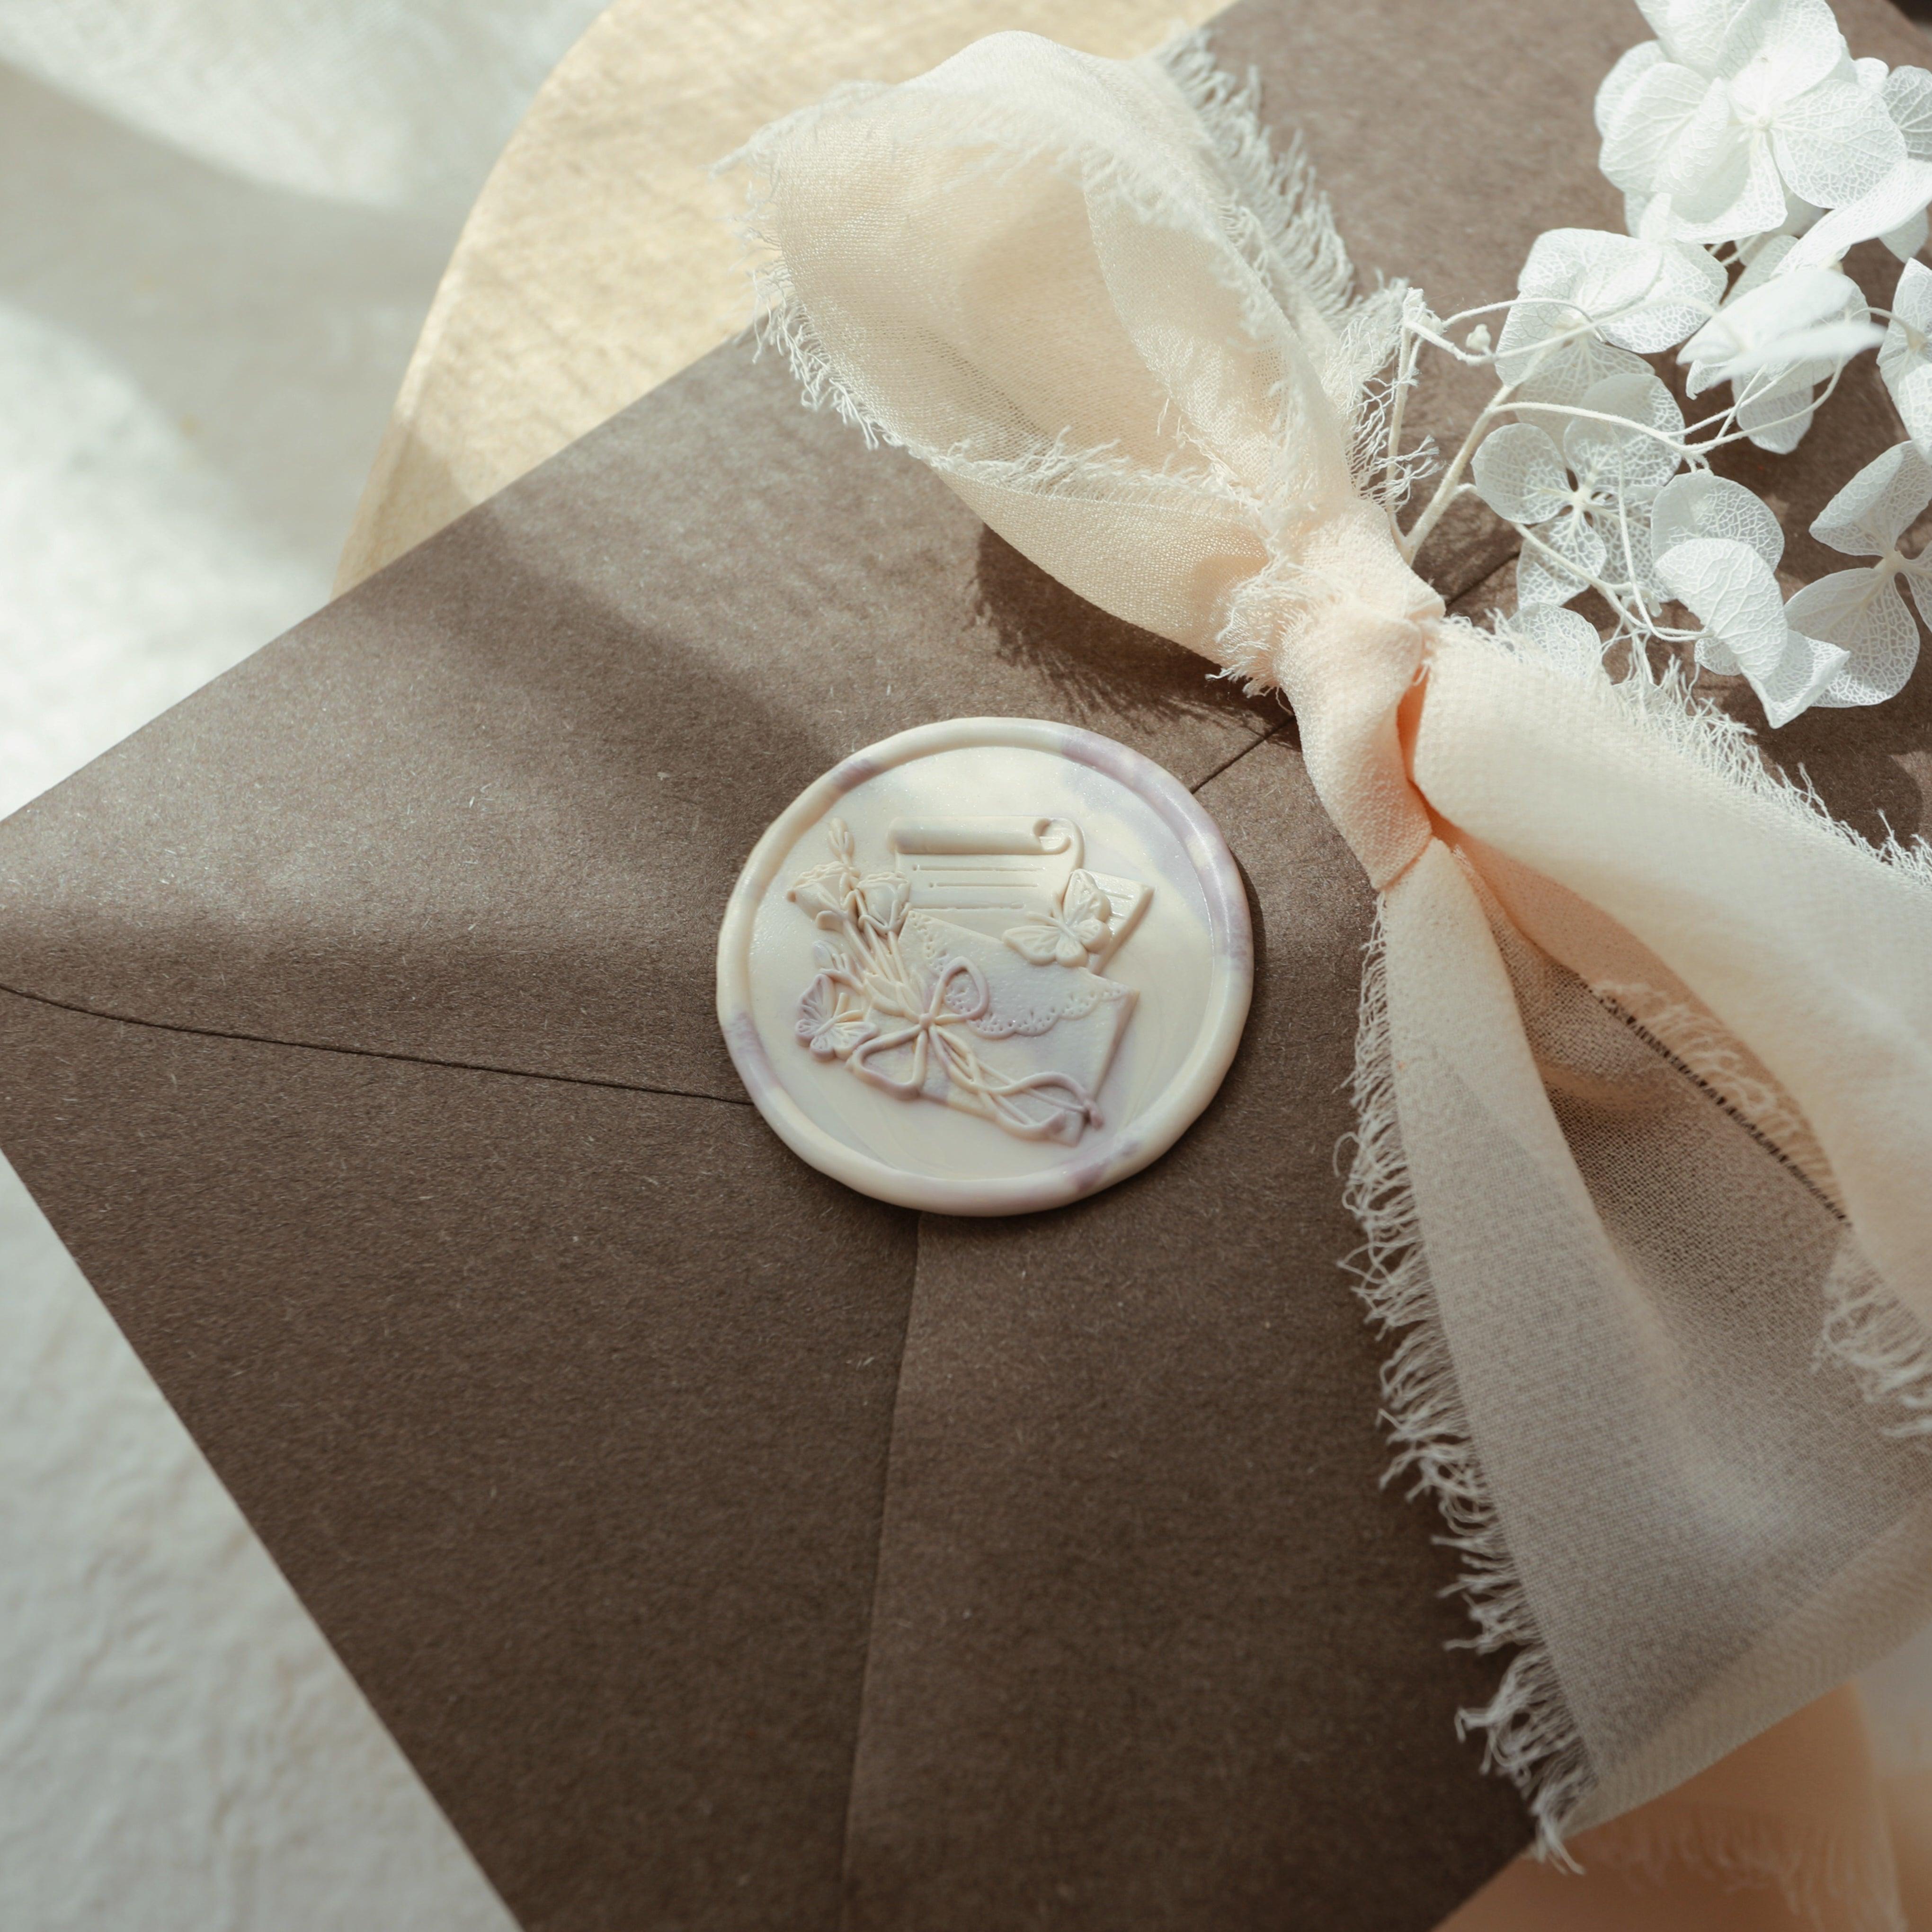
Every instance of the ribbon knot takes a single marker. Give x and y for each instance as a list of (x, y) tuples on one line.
[(919, 1033)]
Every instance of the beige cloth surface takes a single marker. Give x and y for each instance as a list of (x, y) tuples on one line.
[(599, 259)]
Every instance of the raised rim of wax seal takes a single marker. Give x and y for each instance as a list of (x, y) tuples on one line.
[(951, 951)]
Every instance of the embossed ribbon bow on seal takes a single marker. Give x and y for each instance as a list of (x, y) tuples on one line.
[(1645, 1071)]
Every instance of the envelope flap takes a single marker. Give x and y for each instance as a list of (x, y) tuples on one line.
[(487, 809)]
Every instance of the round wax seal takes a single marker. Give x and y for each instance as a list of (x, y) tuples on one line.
[(986, 966)]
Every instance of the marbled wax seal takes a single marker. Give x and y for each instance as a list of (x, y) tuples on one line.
[(986, 966)]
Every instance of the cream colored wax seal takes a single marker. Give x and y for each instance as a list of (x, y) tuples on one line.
[(986, 966)]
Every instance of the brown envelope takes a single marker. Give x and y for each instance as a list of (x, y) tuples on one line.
[(728, 1550)]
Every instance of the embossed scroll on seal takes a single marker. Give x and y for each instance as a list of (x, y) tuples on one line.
[(986, 966)]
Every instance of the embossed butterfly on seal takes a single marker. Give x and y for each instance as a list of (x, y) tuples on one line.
[(952, 1004)]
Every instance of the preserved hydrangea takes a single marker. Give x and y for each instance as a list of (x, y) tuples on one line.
[(1752, 152)]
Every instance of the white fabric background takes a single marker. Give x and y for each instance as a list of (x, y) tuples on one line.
[(221, 222)]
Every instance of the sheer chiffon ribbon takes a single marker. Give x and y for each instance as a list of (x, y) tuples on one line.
[(1645, 1066)]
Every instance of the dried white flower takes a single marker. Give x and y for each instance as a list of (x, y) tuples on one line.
[(1860, 610), (1893, 210), (1799, 315), (1587, 298), (1779, 335), (1577, 502), (1907, 94), (1716, 549), (1701, 505), (1745, 125), (1734, 110)]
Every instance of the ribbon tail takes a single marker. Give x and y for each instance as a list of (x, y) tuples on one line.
[(1613, 1206)]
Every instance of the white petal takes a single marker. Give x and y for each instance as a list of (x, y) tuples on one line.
[(1793, 298), (1905, 356), (1755, 330), (1575, 554), (1832, 343), (1524, 347), (1800, 678), (1908, 237), (1835, 143), (1628, 461), (1867, 517), (1687, 287), (1907, 95), (1911, 387), (1701, 505), (1868, 620), (1704, 167), (1687, 30), (1765, 262), (1569, 276), (1554, 265), (1647, 581), (1630, 69), (1654, 218), (1536, 585), (1578, 542), (1649, 120), (1731, 589), (1519, 473), (1727, 189), (1628, 566), (1600, 271), (1775, 49), (1639, 397), (1912, 300), (1902, 195), (1767, 258), (1715, 655), (1776, 410), (1567, 375), (1799, 214), (1566, 641), (1690, 31)]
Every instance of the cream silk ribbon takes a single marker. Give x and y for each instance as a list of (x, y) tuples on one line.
[(1645, 1065)]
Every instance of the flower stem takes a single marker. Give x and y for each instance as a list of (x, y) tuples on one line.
[(1405, 376), (1452, 477)]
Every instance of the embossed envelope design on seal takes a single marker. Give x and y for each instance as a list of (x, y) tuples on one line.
[(967, 973), (986, 966)]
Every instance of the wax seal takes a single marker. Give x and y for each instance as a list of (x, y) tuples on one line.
[(986, 966)]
